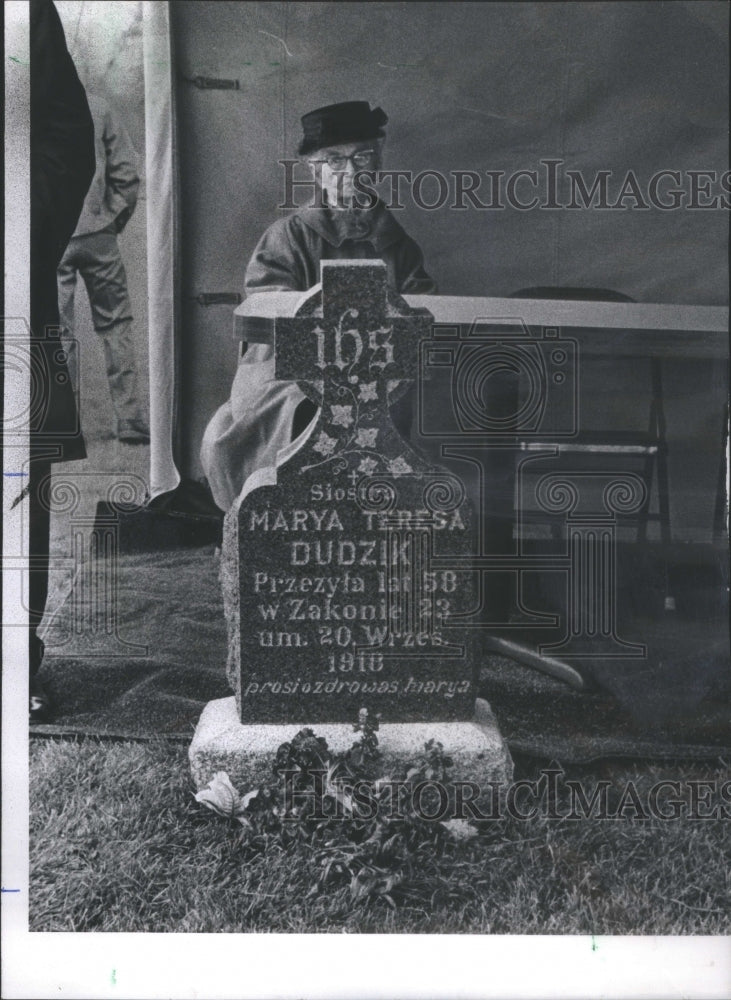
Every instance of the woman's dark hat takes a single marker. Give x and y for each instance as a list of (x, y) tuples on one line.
[(350, 121)]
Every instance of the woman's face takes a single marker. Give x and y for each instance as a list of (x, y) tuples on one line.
[(335, 167)]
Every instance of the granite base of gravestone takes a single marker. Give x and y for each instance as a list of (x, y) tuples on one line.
[(346, 570), (246, 751)]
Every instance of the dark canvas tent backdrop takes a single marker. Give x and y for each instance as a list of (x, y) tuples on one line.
[(474, 86), (617, 86)]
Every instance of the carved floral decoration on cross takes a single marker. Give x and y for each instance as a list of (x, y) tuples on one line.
[(356, 341), (354, 429), (344, 437)]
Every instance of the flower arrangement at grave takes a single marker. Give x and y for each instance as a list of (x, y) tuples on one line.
[(360, 838)]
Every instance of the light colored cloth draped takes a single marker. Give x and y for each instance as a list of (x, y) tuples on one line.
[(247, 433), (162, 249), (249, 430)]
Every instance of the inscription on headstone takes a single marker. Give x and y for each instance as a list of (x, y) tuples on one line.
[(333, 603)]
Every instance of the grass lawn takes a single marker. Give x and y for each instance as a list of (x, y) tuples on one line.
[(118, 843)]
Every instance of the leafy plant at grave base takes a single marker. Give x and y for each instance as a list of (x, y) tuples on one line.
[(362, 832)]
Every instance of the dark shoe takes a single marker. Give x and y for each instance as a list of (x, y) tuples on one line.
[(39, 705), (133, 432)]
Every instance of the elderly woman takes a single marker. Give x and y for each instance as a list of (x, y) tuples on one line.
[(264, 414)]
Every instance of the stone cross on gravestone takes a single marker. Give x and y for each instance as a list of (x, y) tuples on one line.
[(331, 602)]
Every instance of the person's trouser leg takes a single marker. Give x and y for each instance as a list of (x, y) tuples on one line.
[(106, 281), (119, 356), (66, 279), (39, 527)]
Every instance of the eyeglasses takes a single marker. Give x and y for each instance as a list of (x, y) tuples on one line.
[(336, 161)]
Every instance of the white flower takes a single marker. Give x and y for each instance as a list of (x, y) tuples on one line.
[(367, 391), (399, 466), (460, 829), (366, 437), (325, 444), (221, 796), (367, 466), (342, 416)]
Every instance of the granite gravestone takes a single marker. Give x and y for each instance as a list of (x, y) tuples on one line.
[(344, 567)]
